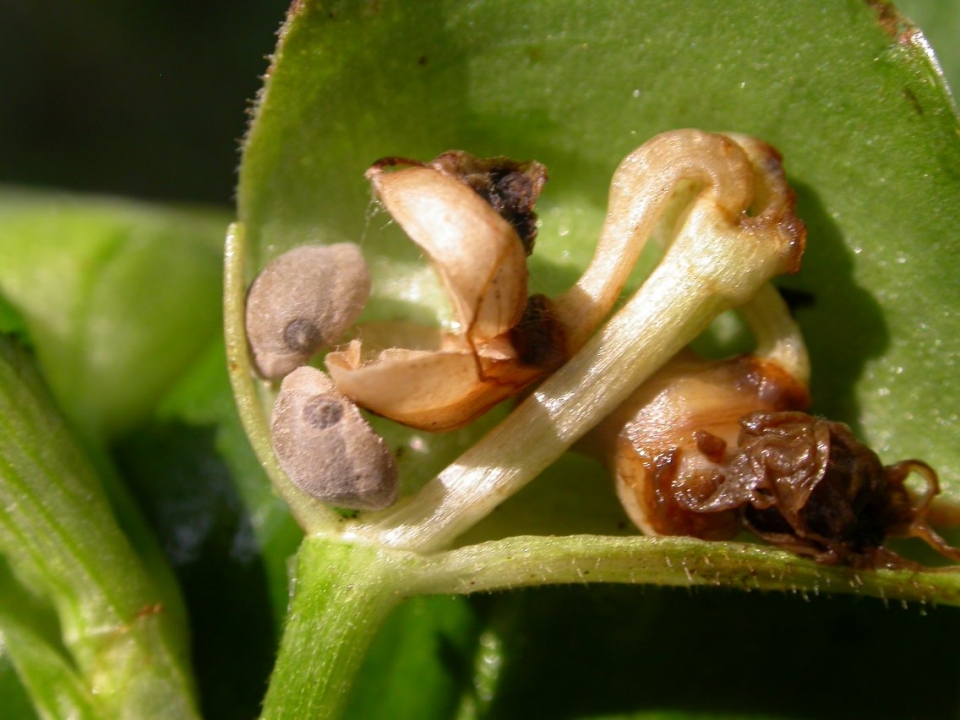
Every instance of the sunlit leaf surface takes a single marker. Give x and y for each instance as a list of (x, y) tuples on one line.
[(845, 90)]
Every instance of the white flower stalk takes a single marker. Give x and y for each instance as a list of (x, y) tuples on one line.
[(738, 232), (669, 169)]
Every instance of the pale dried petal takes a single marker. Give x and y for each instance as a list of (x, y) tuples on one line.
[(476, 253), (438, 390)]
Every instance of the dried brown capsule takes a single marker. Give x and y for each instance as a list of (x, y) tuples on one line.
[(510, 187), (326, 447), (667, 442), (709, 447), (809, 485), (302, 301)]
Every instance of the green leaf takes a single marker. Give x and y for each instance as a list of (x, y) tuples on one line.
[(940, 20), (830, 153), (118, 297), (16, 702), (863, 120), (11, 322), (842, 88)]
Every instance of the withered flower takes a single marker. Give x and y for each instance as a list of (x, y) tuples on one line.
[(809, 485), (465, 214), (667, 442), (709, 447), (728, 226), (698, 447), (473, 219)]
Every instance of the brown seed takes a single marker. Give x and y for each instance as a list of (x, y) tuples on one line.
[(326, 447), (302, 301)]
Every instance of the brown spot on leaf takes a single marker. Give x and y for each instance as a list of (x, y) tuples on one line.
[(888, 17)]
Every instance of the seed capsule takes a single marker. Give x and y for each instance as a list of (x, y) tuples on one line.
[(302, 301), (326, 447), (667, 443), (706, 448)]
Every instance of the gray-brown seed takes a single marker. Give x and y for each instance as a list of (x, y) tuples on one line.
[(302, 301), (326, 447)]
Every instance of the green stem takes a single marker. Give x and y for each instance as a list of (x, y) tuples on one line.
[(62, 543), (46, 672), (670, 561), (342, 594)]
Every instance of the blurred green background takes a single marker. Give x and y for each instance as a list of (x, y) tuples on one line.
[(148, 98), (143, 98)]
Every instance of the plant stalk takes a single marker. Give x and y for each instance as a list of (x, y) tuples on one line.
[(312, 515), (62, 544), (341, 595)]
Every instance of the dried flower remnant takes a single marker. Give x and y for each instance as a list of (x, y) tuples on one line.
[(326, 448), (464, 213), (711, 188), (510, 187), (707, 448), (729, 226), (302, 301), (808, 485), (664, 443), (474, 219)]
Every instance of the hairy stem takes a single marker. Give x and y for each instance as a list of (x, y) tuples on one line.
[(62, 544), (529, 561), (342, 594)]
